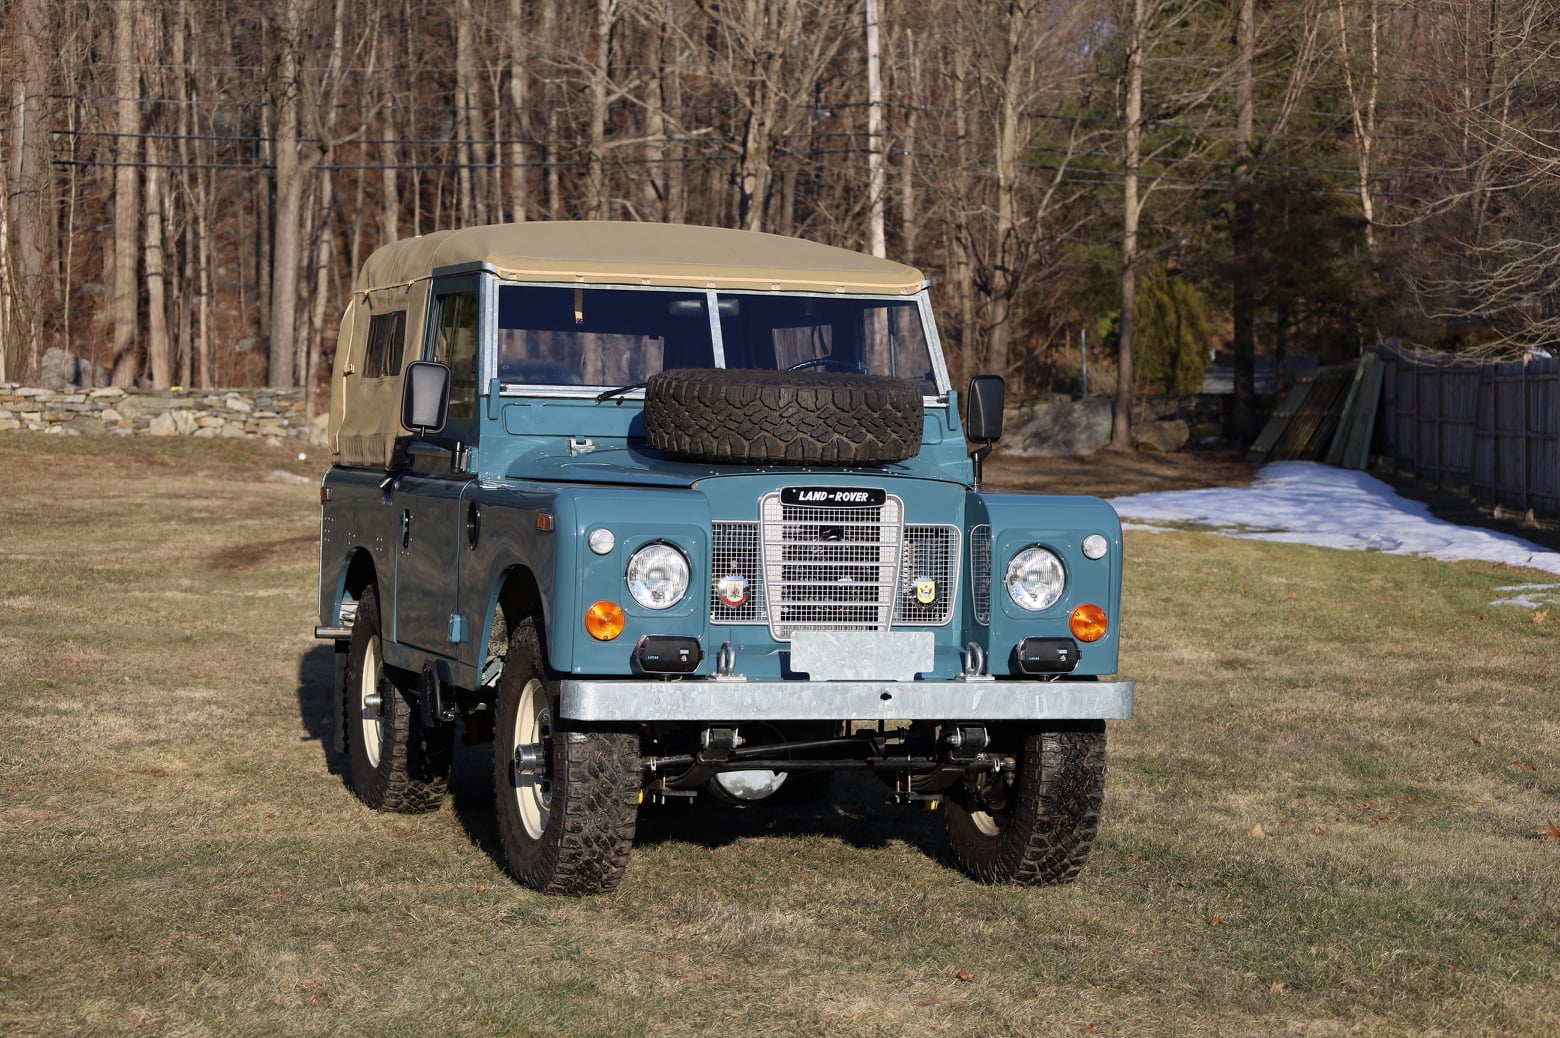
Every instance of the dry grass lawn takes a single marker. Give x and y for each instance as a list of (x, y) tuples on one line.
[(1326, 818)]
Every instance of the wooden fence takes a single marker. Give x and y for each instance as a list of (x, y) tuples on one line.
[(1492, 428)]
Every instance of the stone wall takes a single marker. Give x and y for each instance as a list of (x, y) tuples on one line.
[(1062, 426), (204, 413)]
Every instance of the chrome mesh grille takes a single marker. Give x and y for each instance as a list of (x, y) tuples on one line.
[(734, 553), (980, 571), (931, 553), (829, 567)]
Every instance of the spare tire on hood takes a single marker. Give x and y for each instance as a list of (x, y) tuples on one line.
[(761, 417)]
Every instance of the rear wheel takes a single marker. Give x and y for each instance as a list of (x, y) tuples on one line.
[(396, 763), (1033, 825), (566, 799)]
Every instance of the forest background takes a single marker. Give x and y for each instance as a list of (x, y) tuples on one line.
[(189, 186)]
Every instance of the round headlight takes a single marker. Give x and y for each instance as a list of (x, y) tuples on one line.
[(1095, 546), (1035, 579), (658, 576)]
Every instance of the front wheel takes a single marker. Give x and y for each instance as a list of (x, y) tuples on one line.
[(566, 800), (1033, 825)]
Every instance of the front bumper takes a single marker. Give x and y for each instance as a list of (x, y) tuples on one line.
[(714, 699)]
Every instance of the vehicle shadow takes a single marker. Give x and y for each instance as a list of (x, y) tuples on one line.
[(855, 810), (316, 704)]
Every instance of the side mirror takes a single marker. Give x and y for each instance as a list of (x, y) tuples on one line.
[(983, 417), (425, 396), (983, 409)]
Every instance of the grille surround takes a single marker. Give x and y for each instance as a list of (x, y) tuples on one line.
[(827, 567)]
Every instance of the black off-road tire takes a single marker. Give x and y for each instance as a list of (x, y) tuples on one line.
[(746, 417), (394, 761), (567, 826), (1039, 833)]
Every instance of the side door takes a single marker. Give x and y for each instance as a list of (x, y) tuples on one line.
[(428, 498)]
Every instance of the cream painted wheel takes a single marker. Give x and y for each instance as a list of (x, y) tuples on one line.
[(565, 795), (394, 761), (532, 756), (370, 702)]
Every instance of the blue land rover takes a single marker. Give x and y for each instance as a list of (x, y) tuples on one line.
[(670, 512)]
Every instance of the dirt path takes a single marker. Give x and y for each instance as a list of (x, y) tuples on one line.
[(1109, 474)]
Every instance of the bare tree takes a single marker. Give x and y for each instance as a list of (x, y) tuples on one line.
[(26, 239), (1132, 155), (1364, 88), (292, 168), (1492, 198), (1034, 63), (124, 291), (770, 56)]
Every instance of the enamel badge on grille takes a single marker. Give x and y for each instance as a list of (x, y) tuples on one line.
[(926, 591), (733, 589)]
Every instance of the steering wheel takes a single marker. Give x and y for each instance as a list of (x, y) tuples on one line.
[(829, 364)]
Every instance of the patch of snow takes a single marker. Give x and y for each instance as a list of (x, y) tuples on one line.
[(1305, 502)]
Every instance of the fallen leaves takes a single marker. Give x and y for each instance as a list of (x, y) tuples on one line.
[(1524, 765), (1256, 832), (1550, 833)]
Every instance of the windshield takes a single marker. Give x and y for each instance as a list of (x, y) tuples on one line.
[(612, 337)]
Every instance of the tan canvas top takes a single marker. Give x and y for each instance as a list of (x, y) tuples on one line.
[(641, 254)]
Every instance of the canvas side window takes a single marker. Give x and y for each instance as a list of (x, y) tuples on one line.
[(457, 347), (386, 342)]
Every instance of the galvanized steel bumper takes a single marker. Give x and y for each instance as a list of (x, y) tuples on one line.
[(711, 699)]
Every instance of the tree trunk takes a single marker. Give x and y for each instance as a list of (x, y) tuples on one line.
[(24, 272), (1121, 422), (909, 212), (550, 102), (159, 352), (287, 247), (1243, 409), (519, 98), (597, 205), (1363, 111), (1005, 246), (877, 179), (470, 204), (321, 296), (652, 186), (123, 290)]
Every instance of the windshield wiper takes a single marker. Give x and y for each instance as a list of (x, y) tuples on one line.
[(619, 391)]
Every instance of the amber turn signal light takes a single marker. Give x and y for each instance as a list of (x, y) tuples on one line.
[(605, 620), (1088, 623)]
